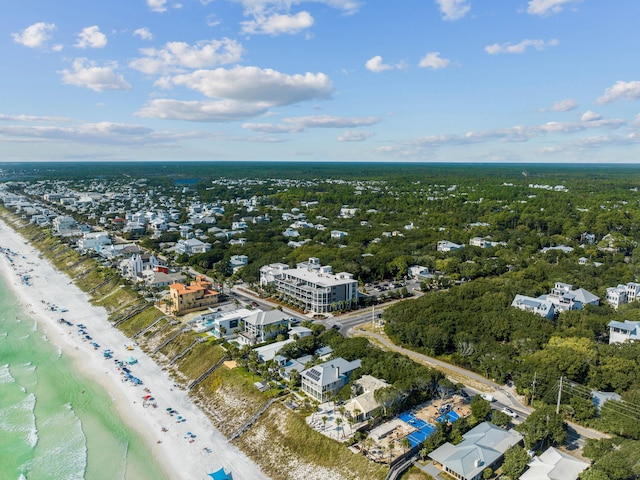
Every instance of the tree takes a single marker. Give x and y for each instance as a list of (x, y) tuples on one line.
[(500, 419), (339, 422), (480, 409), (515, 461), (405, 443), (543, 428)]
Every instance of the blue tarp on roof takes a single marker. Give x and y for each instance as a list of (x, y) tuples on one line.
[(220, 475)]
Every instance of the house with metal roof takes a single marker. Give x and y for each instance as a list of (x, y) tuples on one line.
[(482, 447), (553, 464), (627, 331), (544, 308), (323, 380)]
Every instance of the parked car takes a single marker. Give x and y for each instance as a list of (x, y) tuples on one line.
[(509, 412)]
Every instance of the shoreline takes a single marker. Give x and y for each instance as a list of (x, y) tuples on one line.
[(179, 455)]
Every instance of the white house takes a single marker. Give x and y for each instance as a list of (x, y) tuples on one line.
[(323, 380), (91, 240), (64, 224), (553, 464), (627, 331), (192, 246), (236, 262), (338, 234), (447, 246), (262, 326), (361, 407), (616, 296), (544, 308)]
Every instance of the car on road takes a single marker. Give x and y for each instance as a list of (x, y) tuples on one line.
[(509, 412), (488, 397)]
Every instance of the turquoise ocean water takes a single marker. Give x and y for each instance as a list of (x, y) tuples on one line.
[(54, 423)]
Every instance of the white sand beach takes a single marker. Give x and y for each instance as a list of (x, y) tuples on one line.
[(183, 456)]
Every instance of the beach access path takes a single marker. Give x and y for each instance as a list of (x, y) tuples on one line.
[(188, 447)]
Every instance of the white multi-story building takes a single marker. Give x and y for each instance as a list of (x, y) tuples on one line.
[(316, 287), (627, 331), (63, 224), (91, 240)]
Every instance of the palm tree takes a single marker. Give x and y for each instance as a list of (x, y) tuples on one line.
[(339, 422), (405, 443), (324, 422)]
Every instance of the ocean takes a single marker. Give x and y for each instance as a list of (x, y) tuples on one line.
[(55, 423)]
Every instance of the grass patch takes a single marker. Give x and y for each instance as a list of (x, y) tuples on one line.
[(140, 321), (285, 447), (202, 357)]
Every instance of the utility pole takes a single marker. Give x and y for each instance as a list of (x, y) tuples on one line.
[(533, 393), (373, 319), (559, 397)]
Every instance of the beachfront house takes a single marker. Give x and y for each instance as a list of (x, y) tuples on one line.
[(221, 324), (482, 447), (322, 381), (261, 327), (198, 295), (92, 240), (363, 405), (64, 224)]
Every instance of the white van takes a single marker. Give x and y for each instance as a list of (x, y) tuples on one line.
[(488, 397)]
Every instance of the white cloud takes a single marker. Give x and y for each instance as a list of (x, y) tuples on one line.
[(374, 64), (590, 116), (434, 61), (144, 33), (519, 47), (91, 37), (100, 133), (621, 91), (257, 7), (278, 24), (298, 124), (353, 136), (157, 5), (562, 106), (175, 56), (518, 133), (194, 111), (31, 118), (546, 7), (34, 36), (253, 84), (453, 9), (87, 74)]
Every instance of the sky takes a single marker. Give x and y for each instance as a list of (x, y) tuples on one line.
[(537, 81)]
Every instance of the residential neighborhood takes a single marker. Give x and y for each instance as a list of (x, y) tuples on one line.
[(273, 286)]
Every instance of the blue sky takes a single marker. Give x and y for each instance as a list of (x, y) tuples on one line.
[(321, 80)]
